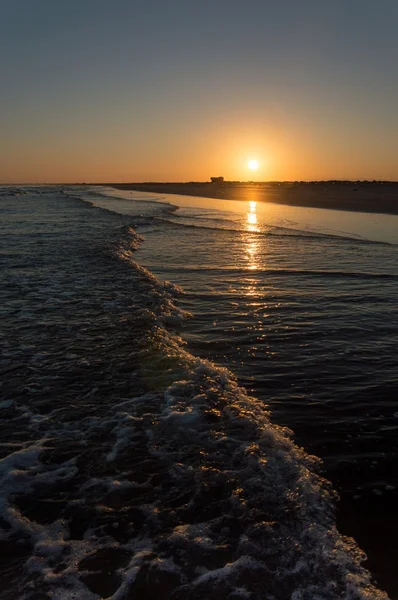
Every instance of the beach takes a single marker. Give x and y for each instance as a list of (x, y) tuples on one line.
[(160, 429), (372, 197), (198, 301)]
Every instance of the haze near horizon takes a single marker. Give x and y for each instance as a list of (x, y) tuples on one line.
[(177, 91)]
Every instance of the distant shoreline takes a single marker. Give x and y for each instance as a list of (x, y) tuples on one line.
[(370, 197)]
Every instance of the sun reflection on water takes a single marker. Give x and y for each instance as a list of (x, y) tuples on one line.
[(251, 244), (252, 217), (251, 254)]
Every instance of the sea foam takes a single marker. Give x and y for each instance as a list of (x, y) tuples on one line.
[(132, 468)]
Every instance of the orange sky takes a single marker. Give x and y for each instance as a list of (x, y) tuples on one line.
[(121, 95)]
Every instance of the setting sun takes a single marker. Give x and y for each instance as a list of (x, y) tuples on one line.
[(253, 164)]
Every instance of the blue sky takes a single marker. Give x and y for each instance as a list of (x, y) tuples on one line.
[(137, 90)]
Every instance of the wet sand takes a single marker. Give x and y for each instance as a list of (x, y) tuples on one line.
[(372, 197)]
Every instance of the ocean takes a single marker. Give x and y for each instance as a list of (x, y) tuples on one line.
[(188, 386)]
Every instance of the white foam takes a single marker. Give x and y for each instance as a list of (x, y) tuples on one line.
[(188, 480)]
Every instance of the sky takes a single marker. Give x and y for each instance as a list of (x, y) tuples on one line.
[(182, 90)]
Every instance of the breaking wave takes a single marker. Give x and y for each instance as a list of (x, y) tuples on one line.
[(131, 468)]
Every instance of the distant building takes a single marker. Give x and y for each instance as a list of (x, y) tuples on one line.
[(217, 179)]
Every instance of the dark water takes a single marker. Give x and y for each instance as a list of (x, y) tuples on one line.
[(313, 332), (130, 468), (304, 311), (307, 320)]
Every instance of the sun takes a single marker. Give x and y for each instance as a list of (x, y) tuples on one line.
[(253, 164)]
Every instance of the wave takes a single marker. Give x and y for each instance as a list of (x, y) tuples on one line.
[(228, 224), (131, 468), (159, 202), (268, 232), (281, 272)]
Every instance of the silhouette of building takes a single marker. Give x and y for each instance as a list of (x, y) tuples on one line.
[(217, 179)]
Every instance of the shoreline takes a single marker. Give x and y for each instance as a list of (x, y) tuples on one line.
[(368, 197), (174, 478)]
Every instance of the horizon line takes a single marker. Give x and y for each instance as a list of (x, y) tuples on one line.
[(206, 182)]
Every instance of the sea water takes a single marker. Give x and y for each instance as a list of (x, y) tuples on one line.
[(301, 303), (132, 462)]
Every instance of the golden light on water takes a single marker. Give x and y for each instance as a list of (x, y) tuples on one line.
[(252, 249), (252, 217), (250, 242)]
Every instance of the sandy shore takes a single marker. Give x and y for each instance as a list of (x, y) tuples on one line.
[(377, 197)]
